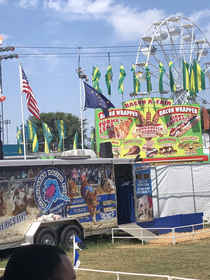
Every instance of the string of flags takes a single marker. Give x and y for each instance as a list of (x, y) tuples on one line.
[(31, 130), (193, 78)]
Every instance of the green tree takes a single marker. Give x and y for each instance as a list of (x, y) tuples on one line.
[(94, 132), (72, 123)]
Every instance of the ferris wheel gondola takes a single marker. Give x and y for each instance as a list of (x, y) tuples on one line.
[(172, 40)]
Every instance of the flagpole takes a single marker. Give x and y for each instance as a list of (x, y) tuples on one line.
[(73, 249), (21, 93), (80, 82)]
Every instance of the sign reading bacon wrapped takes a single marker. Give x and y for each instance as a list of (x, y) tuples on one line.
[(151, 128)]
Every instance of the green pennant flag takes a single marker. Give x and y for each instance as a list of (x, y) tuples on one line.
[(92, 140), (136, 83), (199, 77), (108, 78), (61, 129), (19, 140), (186, 76), (121, 79), (172, 84), (192, 82), (61, 145), (35, 144), (30, 130), (62, 134), (47, 138), (95, 78), (75, 141), (149, 85), (161, 73)]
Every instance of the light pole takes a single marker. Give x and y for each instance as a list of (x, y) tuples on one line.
[(6, 49), (7, 122), (81, 76)]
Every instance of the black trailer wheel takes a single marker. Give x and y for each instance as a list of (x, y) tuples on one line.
[(67, 236), (47, 236)]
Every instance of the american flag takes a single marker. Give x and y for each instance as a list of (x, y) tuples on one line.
[(31, 101)]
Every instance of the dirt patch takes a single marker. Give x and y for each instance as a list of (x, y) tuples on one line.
[(181, 237)]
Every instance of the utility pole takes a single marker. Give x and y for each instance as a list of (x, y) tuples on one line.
[(7, 122), (5, 49)]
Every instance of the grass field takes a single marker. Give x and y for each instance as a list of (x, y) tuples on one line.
[(188, 260)]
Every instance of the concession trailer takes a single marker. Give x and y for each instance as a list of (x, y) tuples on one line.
[(49, 200)]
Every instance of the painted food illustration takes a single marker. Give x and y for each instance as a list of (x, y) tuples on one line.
[(121, 130), (133, 150), (151, 151), (149, 128), (184, 126), (148, 121), (167, 150), (116, 152), (190, 148)]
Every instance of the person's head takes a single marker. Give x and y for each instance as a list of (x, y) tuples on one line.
[(39, 262)]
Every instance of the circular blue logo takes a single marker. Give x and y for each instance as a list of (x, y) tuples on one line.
[(50, 191)]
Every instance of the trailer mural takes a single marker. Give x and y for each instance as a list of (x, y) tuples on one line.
[(93, 196), (85, 192), (151, 127), (18, 209)]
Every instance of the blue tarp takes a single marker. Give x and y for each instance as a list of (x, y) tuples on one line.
[(175, 221)]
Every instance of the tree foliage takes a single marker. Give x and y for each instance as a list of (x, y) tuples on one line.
[(72, 123)]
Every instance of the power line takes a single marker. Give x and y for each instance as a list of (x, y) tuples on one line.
[(165, 51), (102, 47)]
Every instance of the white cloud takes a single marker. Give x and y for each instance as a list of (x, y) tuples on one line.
[(127, 22), (201, 19), (27, 4), (52, 23), (52, 26), (79, 6), (197, 16), (130, 24), (4, 2), (56, 43)]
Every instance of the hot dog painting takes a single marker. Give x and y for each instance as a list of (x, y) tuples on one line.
[(184, 126)]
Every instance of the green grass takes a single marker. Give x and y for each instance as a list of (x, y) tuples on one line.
[(182, 260)]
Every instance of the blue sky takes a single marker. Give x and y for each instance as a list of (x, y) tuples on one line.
[(56, 25)]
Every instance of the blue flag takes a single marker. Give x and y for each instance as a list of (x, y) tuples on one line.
[(76, 260), (77, 239), (94, 99), (76, 254)]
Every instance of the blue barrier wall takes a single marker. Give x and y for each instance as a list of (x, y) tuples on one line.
[(175, 221)]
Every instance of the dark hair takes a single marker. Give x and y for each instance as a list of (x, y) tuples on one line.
[(35, 262)]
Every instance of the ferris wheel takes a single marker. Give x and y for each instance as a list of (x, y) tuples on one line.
[(172, 40)]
